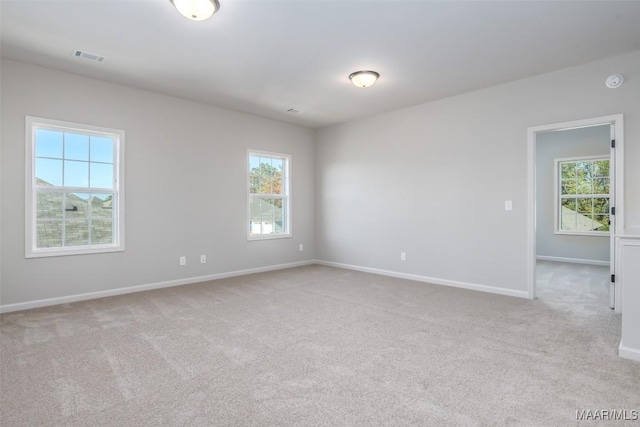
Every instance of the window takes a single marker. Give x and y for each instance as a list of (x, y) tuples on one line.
[(583, 187), (74, 191), (269, 201)]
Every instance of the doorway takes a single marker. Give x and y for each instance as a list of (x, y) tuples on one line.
[(569, 217)]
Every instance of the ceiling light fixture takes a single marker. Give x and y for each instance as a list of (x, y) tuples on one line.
[(196, 10), (364, 78)]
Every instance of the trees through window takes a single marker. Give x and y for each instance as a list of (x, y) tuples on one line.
[(584, 190)]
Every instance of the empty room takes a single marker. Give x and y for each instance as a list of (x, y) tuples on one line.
[(305, 212)]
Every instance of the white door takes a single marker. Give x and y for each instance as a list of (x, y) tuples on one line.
[(612, 218)]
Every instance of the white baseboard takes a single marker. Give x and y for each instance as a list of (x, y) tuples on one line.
[(140, 288), (433, 280), (573, 260), (629, 353)]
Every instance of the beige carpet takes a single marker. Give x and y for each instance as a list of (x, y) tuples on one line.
[(312, 346)]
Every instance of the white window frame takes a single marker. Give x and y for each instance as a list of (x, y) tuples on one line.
[(31, 249), (558, 195), (286, 195)]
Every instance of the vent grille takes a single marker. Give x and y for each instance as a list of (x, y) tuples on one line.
[(88, 56)]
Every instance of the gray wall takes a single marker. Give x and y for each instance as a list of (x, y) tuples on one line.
[(432, 179), (429, 180), (592, 141), (185, 186)]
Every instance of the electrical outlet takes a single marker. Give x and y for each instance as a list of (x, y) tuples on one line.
[(301, 247), (203, 259), (508, 205), (183, 260), (403, 256)]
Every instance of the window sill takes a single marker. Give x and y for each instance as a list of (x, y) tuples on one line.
[(268, 237), (50, 252), (584, 233)]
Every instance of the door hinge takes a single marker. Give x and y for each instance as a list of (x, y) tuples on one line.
[(613, 210), (613, 143), (613, 278)]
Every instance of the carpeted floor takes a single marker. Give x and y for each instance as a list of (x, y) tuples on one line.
[(314, 346)]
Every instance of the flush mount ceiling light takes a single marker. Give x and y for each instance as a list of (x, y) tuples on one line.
[(196, 10), (364, 78)]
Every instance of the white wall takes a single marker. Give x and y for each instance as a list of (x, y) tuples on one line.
[(185, 186), (591, 141), (629, 271), (432, 179)]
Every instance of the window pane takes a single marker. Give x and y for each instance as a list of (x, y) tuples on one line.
[(280, 218), (276, 184), (76, 233), (102, 149), (255, 226), (601, 186), (266, 175), (267, 172), (267, 216), (601, 206), (48, 172), (584, 205), (568, 170), (48, 143), (584, 222), (267, 224), (277, 164), (76, 174), (254, 183), (76, 146), (601, 168), (583, 170), (49, 234), (569, 186), (101, 232), (568, 221), (601, 222), (76, 206), (568, 204), (254, 162), (48, 205), (584, 187), (274, 206), (265, 163), (101, 175), (102, 206)]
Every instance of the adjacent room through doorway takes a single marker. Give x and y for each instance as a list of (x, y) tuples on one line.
[(573, 221)]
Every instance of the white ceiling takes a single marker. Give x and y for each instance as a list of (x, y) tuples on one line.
[(264, 57)]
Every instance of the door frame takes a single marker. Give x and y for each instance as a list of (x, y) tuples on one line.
[(617, 159)]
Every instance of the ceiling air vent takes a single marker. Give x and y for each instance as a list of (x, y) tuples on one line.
[(89, 56)]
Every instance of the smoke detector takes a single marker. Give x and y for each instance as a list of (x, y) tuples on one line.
[(293, 111), (614, 81), (88, 56)]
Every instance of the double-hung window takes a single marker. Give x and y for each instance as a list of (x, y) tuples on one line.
[(583, 189), (269, 203), (74, 188)]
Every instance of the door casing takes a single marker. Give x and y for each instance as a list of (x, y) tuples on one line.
[(617, 159)]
